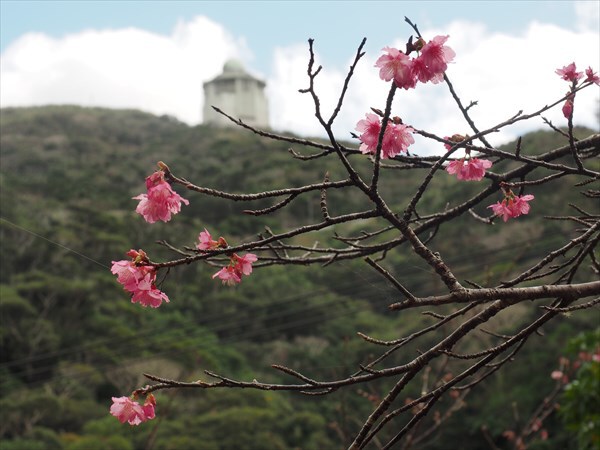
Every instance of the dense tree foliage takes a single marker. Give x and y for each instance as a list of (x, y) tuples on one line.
[(70, 339)]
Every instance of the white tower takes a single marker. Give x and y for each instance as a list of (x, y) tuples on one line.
[(238, 94)]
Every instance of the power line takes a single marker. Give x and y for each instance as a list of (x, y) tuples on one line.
[(173, 336), (216, 318), (167, 336), (64, 247)]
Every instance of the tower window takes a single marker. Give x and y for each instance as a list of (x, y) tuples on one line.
[(225, 86)]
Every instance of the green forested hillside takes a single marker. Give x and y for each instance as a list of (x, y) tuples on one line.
[(70, 338)]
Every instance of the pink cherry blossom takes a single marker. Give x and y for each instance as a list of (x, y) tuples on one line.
[(139, 279), (128, 274), (137, 255), (160, 202), (559, 376), (206, 241), (397, 137), (556, 375), (149, 407), (454, 138), (591, 76), (455, 166), (396, 65), (569, 73), (126, 410), (243, 264), (512, 206), (147, 294), (238, 267), (567, 108), (370, 129), (520, 205), (500, 209), (229, 275), (420, 70), (433, 61), (154, 180), (471, 169), (474, 169), (447, 146)]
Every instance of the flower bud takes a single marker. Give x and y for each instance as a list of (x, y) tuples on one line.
[(419, 43)]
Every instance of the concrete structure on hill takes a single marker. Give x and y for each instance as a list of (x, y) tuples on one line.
[(237, 93)]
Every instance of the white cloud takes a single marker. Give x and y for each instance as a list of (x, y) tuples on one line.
[(125, 68), (132, 68), (290, 109), (503, 73), (587, 13)]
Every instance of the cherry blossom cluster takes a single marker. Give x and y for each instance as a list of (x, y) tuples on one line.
[(568, 368), (512, 205), (206, 242), (139, 278), (160, 201), (569, 73), (562, 376), (467, 168), (396, 137), (536, 426), (238, 266), (138, 275), (127, 410), (429, 65)]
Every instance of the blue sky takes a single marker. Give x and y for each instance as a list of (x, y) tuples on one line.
[(155, 55), (335, 25)]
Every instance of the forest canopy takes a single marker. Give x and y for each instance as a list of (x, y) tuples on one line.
[(71, 340)]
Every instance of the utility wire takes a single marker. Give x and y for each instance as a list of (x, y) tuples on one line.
[(224, 324), (218, 317)]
